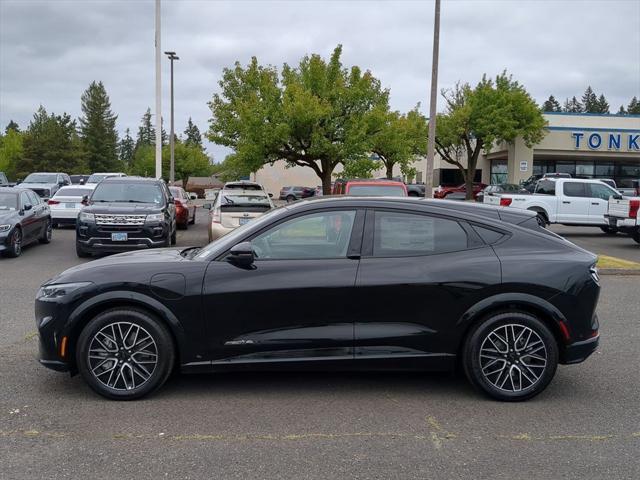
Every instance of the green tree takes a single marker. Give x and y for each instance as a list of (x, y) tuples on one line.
[(572, 106), (362, 167), (315, 116), (51, 143), (11, 152), (477, 118), (190, 160), (603, 105), (146, 131), (590, 101), (634, 106), (11, 126), (396, 138), (98, 130), (551, 105), (143, 162), (192, 134), (126, 148), (622, 111)]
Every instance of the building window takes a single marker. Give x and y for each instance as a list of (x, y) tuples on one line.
[(584, 169), (498, 172)]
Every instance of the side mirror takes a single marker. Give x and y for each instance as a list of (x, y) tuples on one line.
[(27, 206), (617, 197), (61, 183), (271, 195), (241, 255), (85, 200)]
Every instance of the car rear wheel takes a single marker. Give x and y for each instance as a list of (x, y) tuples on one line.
[(46, 234), (609, 230), (636, 235), (15, 244), (193, 220), (174, 235), (125, 354), (511, 356), (290, 198), (81, 252)]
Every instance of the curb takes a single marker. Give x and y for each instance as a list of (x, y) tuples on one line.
[(619, 271)]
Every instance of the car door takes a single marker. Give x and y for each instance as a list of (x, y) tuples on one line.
[(599, 194), (41, 211), (295, 303), (573, 205), (29, 218), (418, 275)]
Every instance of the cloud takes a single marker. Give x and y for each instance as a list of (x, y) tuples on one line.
[(51, 50)]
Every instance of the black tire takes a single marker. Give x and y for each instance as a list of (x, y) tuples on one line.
[(543, 219), (183, 226), (15, 244), (46, 234), (174, 235), (81, 252), (636, 235), (140, 324), (480, 370), (290, 198), (193, 220), (609, 230)]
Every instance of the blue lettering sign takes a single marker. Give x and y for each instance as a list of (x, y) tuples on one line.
[(595, 140), (577, 136), (633, 142), (614, 141)]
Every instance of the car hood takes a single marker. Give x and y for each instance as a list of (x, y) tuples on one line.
[(49, 186), (121, 208)]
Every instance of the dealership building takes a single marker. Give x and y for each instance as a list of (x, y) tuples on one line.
[(583, 145)]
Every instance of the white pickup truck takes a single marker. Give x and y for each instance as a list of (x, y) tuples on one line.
[(568, 201), (623, 215)]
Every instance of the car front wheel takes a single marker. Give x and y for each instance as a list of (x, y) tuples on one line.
[(46, 233), (511, 356), (15, 244), (125, 354)]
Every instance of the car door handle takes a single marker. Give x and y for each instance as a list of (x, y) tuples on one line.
[(353, 256), (565, 201), (595, 203)]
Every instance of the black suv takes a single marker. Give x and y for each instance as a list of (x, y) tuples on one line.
[(126, 213)]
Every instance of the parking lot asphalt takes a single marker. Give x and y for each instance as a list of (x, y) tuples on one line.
[(594, 240), (586, 425)]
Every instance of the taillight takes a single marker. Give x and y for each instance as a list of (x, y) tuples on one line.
[(634, 205), (505, 202), (215, 216), (53, 202)]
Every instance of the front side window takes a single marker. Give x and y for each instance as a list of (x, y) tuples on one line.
[(41, 178), (377, 190), (24, 199), (33, 198), (601, 191), (407, 234), (575, 189), (317, 235)]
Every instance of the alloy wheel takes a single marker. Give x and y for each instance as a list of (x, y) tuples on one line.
[(513, 357), (17, 242), (122, 356)]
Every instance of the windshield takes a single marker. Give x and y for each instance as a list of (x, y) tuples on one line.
[(41, 178), (377, 190), (128, 192), (73, 192), (8, 201), (98, 177), (244, 200)]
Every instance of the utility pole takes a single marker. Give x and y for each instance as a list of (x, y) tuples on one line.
[(172, 170), (431, 148), (158, 95)]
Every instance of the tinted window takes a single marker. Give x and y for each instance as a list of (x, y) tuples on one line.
[(24, 199), (41, 178), (546, 187), (575, 189), (8, 201), (128, 192), (319, 235), (407, 234), (489, 236), (33, 198), (601, 191), (375, 190)]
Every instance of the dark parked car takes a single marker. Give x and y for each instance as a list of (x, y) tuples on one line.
[(79, 179), (24, 218), (415, 189), (185, 208), (126, 213), (291, 194), (505, 313)]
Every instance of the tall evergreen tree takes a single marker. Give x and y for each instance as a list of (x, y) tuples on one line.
[(126, 148), (192, 133), (146, 131), (551, 105), (98, 130), (603, 105), (590, 101), (12, 126), (572, 106), (634, 106), (622, 111)]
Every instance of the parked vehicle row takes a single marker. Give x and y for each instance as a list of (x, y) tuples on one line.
[(497, 308)]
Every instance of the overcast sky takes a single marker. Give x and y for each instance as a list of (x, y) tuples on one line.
[(51, 50)]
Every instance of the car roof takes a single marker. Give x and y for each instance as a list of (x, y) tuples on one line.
[(369, 181), (132, 180)]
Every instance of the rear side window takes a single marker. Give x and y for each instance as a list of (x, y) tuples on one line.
[(575, 189), (407, 234), (546, 187), (488, 236)]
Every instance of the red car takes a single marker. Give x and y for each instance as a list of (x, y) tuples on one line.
[(369, 187), (185, 208), (442, 192)]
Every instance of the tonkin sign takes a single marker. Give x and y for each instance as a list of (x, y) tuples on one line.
[(615, 141)]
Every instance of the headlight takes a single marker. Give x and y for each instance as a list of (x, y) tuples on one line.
[(593, 270), (5, 228), (155, 217), (86, 217), (48, 292)]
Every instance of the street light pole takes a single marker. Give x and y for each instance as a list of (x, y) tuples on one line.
[(431, 147), (172, 171), (158, 95)]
